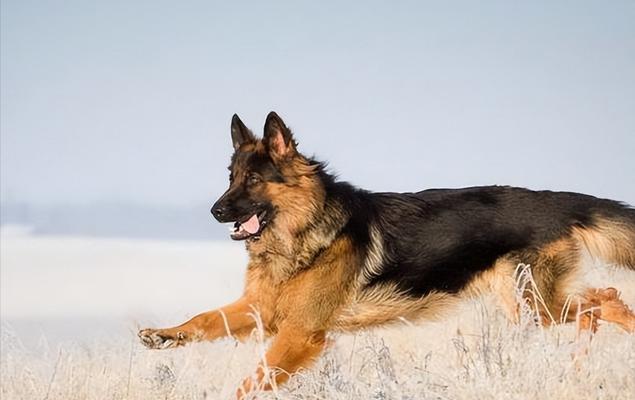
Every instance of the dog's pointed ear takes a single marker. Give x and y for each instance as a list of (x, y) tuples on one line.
[(240, 133), (277, 137)]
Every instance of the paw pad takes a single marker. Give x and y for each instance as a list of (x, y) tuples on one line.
[(157, 339)]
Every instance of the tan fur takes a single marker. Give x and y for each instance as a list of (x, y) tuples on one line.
[(383, 304), (291, 350), (499, 280), (300, 310), (288, 246), (233, 319), (555, 269), (595, 305), (374, 258), (610, 241), (294, 206)]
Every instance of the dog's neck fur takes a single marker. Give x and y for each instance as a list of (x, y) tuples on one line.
[(287, 247)]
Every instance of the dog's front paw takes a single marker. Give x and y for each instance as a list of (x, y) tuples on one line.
[(162, 338)]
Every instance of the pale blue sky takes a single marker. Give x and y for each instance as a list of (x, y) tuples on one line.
[(131, 101)]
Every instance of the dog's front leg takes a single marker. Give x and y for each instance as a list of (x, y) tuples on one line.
[(293, 348), (232, 319)]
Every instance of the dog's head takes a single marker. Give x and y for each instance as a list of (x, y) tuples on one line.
[(270, 182)]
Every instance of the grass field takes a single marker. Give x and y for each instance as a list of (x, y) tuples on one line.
[(476, 354)]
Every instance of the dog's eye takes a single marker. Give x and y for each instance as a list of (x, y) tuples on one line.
[(253, 179)]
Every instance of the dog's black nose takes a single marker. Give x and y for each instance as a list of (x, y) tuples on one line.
[(218, 211)]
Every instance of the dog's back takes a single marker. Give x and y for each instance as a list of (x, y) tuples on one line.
[(449, 242)]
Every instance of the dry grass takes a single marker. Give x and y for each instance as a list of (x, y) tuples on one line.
[(477, 354)]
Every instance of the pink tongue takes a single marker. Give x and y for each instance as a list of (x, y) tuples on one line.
[(252, 225)]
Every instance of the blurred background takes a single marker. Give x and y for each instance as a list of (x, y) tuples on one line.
[(115, 125)]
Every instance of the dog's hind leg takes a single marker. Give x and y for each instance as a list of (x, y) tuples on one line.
[(553, 276), (233, 319), (606, 305), (557, 276), (595, 305)]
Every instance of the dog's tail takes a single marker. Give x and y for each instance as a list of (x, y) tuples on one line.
[(611, 238)]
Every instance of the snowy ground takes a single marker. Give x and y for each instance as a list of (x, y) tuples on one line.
[(70, 308), (51, 283)]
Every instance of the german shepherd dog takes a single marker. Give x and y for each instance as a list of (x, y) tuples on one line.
[(326, 256)]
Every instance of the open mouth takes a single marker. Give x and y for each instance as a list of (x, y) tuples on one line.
[(249, 228)]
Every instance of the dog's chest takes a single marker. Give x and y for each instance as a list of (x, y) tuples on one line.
[(266, 280)]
